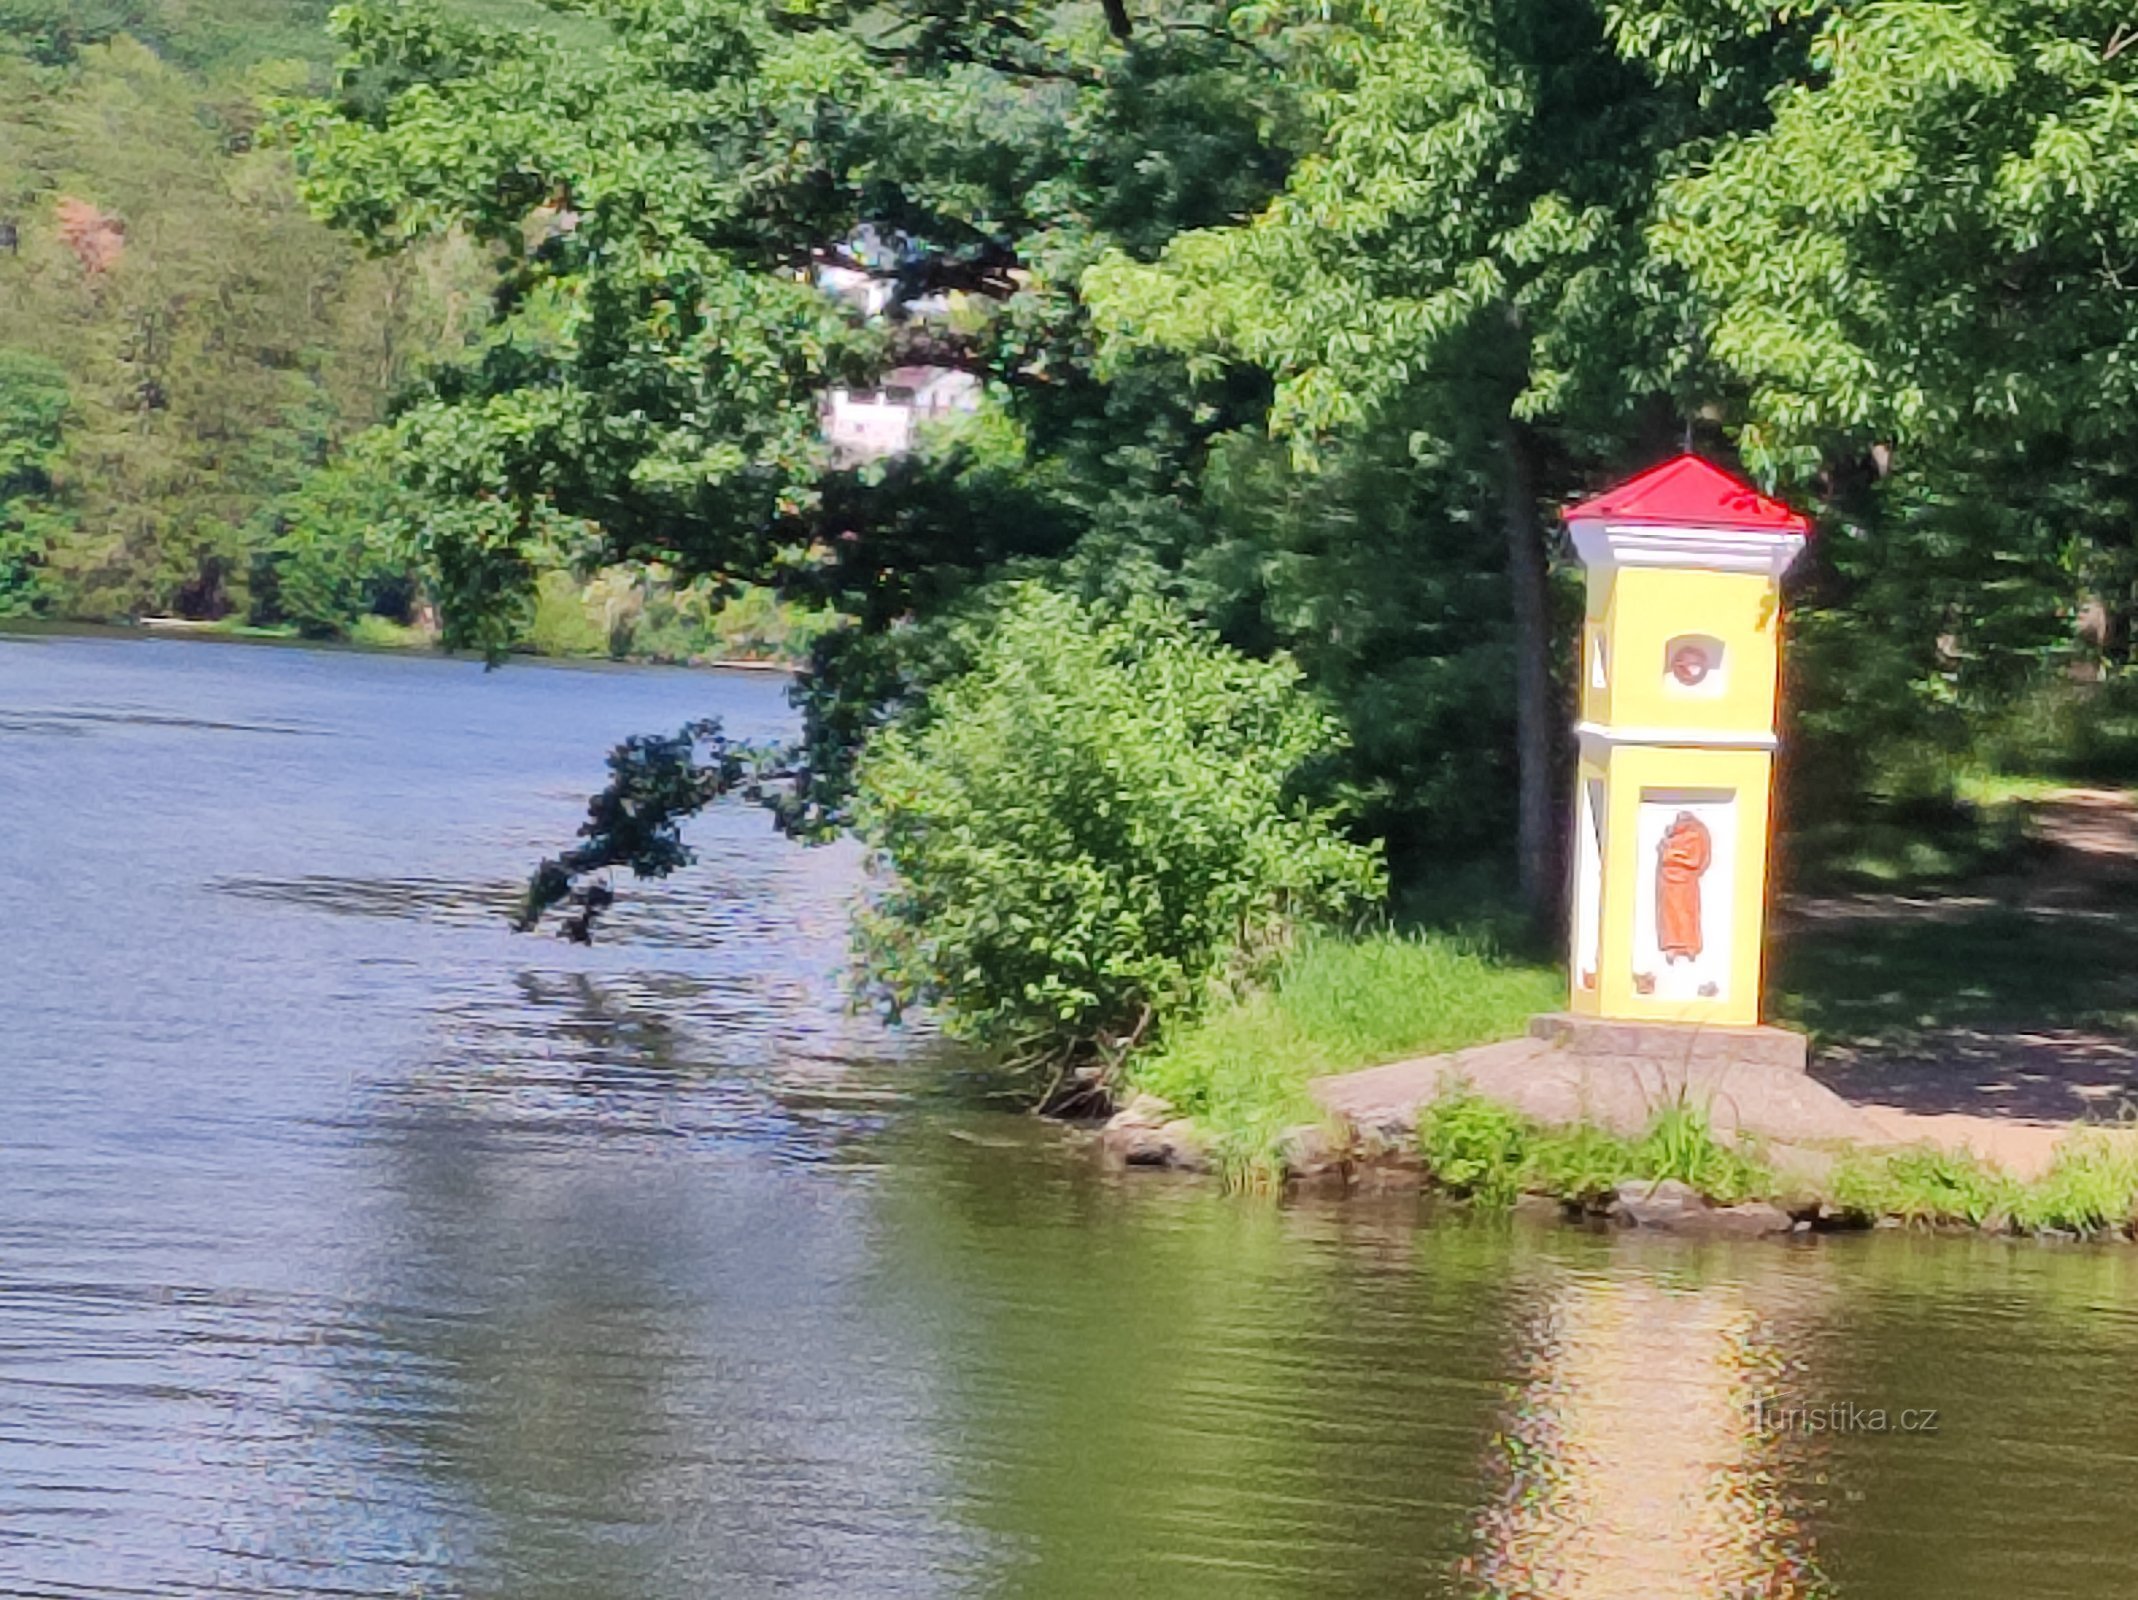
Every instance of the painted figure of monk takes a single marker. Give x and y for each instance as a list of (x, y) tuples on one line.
[(1681, 859)]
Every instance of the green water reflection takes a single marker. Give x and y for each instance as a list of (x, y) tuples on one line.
[(981, 1366)]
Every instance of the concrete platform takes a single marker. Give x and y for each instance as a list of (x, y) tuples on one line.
[(1550, 1081), (1674, 1042)]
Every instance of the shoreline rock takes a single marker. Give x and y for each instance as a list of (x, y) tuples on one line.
[(1147, 1132), (1340, 1159), (1669, 1206)]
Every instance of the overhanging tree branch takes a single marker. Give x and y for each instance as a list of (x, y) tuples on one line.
[(635, 821)]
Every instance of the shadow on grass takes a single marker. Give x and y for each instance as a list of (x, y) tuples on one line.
[(1982, 966), (1476, 901), (1884, 973), (1966, 1005)]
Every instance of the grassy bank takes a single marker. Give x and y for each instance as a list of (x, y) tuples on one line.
[(1481, 1150), (1241, 1070), (1478, 1148)]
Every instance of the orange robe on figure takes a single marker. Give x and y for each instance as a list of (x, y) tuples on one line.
[(1682, 858)]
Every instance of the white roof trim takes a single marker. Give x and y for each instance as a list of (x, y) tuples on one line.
[(1603, 545), (1717, 738)]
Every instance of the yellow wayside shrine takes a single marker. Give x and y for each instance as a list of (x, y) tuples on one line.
[(1680, 654)]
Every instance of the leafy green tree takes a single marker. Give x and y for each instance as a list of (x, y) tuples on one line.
[(1464, 242), (1301, 317), (1381, 572), (635, 820), (33, 406), (658, 208), (1092, 825), (344, 549), (1917, 272)]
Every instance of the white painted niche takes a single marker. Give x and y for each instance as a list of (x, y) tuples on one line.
[(1706, 818)]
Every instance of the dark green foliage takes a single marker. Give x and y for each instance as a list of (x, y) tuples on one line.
[(33, 406), (344, 549), (1911, 271), (1384, 574), (655, 782), (655, 369)]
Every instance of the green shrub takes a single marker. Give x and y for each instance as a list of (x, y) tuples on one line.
[(563, 623), (1094, 826), (1583, 1163), (1476, 1147), (380, 633)]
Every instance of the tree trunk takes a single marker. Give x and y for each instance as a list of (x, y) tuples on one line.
[(1535, 715)]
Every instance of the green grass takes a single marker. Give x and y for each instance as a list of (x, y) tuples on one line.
[(1481, 1149), (1918, 853), (1241, 1069), (1890, 981), (1967, 957), (1921, 1186), (382, 633), (2074, 732), (2090, 1188), (1977, 823), (1989, 790)]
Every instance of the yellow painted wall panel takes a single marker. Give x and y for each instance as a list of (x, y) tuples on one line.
[(1735, 614)]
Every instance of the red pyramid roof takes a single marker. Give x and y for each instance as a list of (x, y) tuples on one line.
[(1690, 492)]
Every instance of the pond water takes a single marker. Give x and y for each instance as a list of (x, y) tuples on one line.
[(353, 1245)]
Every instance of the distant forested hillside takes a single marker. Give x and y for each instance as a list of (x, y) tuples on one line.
[(187, 357)]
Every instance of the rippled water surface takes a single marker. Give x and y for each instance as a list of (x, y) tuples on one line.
[(351, 1245)]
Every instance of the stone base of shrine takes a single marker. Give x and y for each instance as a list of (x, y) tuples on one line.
[(1673, 1044), (1617, 1075)]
